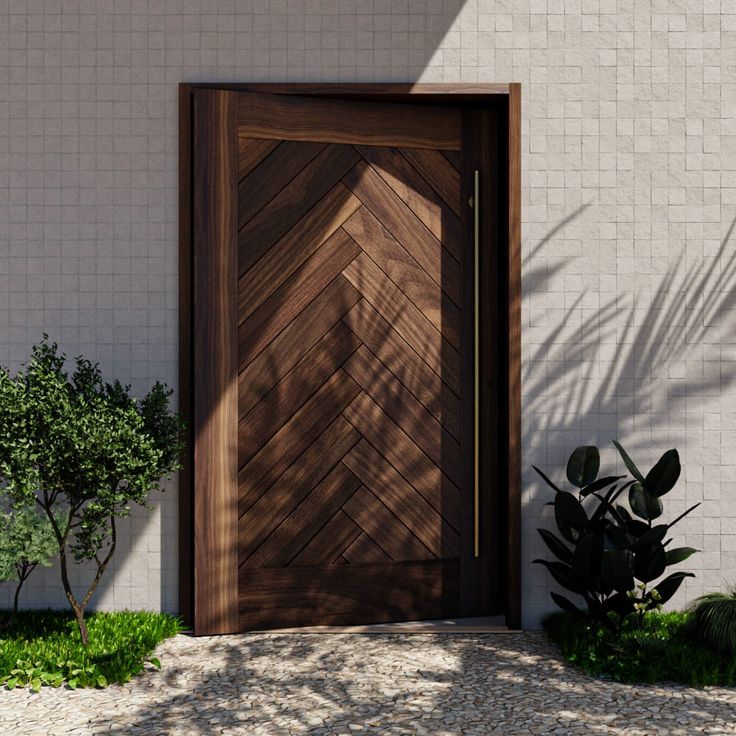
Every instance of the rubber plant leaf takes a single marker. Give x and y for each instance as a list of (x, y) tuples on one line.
[(643, 504), (583, 465), (616, 572), (569, 512), (629, 463), (679, 554), (563, 575), (586, 558), (669, 586), (652, 536), (650, 563), (683, 515), (599, 484), (662, 477), (566, 605), (556, 546), (547, 480)]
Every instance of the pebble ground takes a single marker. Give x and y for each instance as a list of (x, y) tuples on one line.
[(509, 684)]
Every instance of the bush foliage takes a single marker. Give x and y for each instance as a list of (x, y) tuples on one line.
[(611, 555), (714, 620), (83, 450), (658, 648), (26, 540)]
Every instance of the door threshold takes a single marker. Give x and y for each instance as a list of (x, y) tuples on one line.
[(475, 625)]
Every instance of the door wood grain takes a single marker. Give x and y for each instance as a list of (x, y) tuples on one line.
[(329, 315)]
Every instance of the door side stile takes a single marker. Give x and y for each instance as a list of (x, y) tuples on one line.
[(214, 353), (512, 281)]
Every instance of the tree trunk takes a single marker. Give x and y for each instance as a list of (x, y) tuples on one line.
[(6, 624), (61, 540), (23, 573), (79, 615), (76, 606), (17, 594), (79, 606)]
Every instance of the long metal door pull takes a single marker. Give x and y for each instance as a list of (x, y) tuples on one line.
[(476, 362)]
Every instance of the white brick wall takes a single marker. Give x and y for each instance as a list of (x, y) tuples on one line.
[(629, 161)]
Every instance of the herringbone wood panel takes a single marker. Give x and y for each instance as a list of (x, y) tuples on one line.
[(349, 340)]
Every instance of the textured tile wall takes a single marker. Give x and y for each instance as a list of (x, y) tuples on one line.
[(629, 162)]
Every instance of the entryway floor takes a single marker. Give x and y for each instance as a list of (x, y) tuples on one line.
[(474, 625), (394, 684)]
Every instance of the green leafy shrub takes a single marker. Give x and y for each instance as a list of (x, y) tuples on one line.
[(83, 450), (45, 648), (656, 648), (26, 540), (607, 556), (714, 621)]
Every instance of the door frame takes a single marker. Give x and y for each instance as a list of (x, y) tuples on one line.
[(208, 598)]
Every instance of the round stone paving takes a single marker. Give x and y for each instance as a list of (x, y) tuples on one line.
[(438, 684)]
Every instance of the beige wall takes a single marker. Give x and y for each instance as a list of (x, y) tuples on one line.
[(629, 161)]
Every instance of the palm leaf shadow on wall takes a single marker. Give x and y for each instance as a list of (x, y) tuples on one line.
[(613, 380)]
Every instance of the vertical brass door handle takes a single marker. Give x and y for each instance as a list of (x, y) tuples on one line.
[(476, 363)]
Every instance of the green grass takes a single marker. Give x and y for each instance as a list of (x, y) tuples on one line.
[(665, 649), (44, 647)]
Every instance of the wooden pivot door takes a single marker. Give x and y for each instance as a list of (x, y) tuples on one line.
[(339, 474)]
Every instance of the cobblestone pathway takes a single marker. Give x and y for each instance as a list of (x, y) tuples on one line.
[(368, 684)]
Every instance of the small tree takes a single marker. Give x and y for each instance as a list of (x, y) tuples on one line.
[(26, 540), (83, 450)]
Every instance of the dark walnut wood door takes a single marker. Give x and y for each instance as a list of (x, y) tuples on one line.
[(349, 391), (334, 400)]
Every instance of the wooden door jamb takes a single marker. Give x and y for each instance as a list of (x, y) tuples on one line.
[(204, 605)]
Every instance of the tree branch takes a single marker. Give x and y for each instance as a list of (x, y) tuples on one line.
[(102, 566)]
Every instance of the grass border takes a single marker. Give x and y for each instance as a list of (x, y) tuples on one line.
[(665, 650), (43, 647)]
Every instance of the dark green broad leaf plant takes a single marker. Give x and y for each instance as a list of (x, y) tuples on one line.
[(82, 450), (610, 553)]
